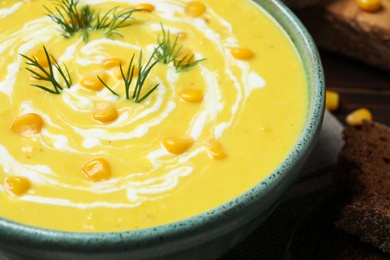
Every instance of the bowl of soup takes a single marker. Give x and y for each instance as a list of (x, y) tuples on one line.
[(166, 129)]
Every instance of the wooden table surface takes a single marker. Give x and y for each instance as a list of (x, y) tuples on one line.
[(359, 85)]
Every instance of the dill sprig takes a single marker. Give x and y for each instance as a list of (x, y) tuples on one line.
[(48, 74), (170, 51), (186, 63), (72, 19), (113, 20), (129, 75)]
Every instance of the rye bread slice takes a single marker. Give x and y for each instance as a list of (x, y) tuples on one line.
[(352, 220), (316, 237), (363, 169)]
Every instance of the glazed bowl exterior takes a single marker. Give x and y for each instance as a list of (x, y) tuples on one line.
[(206, 236)]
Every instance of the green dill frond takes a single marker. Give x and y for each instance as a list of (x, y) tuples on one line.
[(47, 74), (72, 19), (143, 72), (167, 51), (113, 20), (170, 51), (107, 87), (184, 64)]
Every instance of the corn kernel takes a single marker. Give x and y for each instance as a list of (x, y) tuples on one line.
[(105, 112), (182, 36), (97, 169), (369, 5), (117, 71), (357, 117), (91, 81), (242, 53), (191, 95), (41, 58), (27, 124), (177, 145), (214, 150), (17, 185), (75, 19), (195, 9), (110, 63), (186, 56), (332, 100), (146, 7)]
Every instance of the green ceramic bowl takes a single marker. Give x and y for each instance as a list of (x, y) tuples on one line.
[(205, 236)]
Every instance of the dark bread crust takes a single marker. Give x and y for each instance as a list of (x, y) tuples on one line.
[(352, 221), (364, 169), (340, 26), (315, 236)]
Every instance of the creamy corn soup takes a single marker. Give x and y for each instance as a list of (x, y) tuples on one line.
[(121, 115)]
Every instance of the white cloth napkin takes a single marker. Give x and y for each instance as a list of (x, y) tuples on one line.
[(270, 239)]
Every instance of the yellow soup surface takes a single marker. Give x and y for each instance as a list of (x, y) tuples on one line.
[(227, 102)]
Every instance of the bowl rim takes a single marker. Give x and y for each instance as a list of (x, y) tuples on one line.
[(36, 237)]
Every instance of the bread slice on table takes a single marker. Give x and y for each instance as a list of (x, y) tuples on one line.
[(352, 221), (341, 26), (316, 237), (364, 169)]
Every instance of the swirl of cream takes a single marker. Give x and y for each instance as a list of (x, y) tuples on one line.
[(138, 186)]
